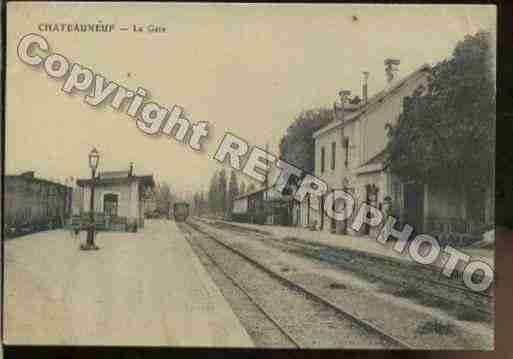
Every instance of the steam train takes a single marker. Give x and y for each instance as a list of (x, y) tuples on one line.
[(181, 211)]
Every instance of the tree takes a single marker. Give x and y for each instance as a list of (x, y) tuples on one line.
[(251, 187), (213, 193), (233, 190), (203, 203), (297, 146), (198, 203), (446, 133), (222, 188), (164, 198), (242, 188)]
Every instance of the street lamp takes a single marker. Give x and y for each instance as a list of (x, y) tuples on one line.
[(94, 159)]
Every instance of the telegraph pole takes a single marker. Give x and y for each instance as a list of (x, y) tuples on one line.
[(266, 183)]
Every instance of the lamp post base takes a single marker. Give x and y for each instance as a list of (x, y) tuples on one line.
[(89, 245)]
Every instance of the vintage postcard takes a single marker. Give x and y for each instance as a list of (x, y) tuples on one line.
[(249, 175)]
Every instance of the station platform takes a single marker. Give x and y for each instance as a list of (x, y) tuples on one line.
[(139, 289), (357, 243)]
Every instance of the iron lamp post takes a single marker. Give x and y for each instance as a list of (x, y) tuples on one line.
[(94, 159)]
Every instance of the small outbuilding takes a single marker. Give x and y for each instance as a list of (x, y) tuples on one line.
[(263, 206), (119, 198)]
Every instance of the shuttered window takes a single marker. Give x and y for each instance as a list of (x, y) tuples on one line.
[(346, 145), (323, 158), (333, 154)]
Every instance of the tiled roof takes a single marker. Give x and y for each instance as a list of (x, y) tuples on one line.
[(376, 100), (146, 180), (379, 158), (375, 164), (270, 189), (30, 177), (250, 193), (114, 174)]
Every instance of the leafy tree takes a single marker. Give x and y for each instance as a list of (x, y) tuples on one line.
[(198, 203), (222, 188), (195, 204), (233, 190), (297, 145), (446, 133), (213, 193), (242, 188), (251, 188), (203, 203), (164, 198)]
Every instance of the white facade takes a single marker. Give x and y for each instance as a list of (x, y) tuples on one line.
[(118, 195), (128, 199), (354, 150), (240, 205)]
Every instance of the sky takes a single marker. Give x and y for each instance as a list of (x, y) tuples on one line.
[(244, 69)]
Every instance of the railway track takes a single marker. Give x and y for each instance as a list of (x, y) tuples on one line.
[(288, 338), (390, 272), (311, 320)]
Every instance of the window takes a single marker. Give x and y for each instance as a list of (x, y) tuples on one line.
[(323, 155), (27, 188), (333, 154), (110, 204), (406, 102), (346, 146)]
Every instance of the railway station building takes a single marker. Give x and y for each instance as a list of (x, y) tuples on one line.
[(119, 199), (350, 154)]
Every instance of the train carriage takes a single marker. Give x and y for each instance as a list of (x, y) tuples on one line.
[(181, 211), (33, 204)]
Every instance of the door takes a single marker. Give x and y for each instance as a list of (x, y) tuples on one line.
[(414, 206), (476, 204), (110, 204), (371, 198)]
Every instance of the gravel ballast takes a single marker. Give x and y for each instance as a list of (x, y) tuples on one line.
[(313, 324), (426, 327)]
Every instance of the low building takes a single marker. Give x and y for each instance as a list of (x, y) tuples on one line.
[(119, 198), (149, 203), (263, 206), (77, 201), (32, 203)]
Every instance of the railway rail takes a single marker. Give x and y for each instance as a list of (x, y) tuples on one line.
[(389, 271), (316, 317), (295, 343)]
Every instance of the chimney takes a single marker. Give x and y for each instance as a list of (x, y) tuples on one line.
[(364, 87), (344, 97), (391, 68)]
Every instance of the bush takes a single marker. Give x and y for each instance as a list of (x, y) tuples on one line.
[(131, 227)]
